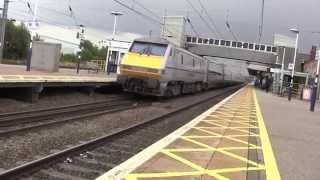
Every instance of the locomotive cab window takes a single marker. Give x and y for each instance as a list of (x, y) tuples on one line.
[(149, 48)]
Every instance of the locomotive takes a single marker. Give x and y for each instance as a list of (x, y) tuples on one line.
[(156, 67)]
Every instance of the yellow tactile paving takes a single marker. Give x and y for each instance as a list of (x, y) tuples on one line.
[(217, 147)]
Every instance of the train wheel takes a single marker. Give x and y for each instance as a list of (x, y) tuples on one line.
[(168, 94)]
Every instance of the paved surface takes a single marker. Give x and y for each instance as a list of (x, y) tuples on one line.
[(295, 136), (16, 73), (229, 141)]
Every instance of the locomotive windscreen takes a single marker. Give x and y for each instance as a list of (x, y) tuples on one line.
[(149, 48)]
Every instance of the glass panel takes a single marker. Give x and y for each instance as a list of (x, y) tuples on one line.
[(216, 42), (250, 46), (239, 44), (245, 45), (200, 40), (188, 39), (274, 49), (205, 41), (234, 44), (256, 47), (228, 43), (211, 41), (269, 48), (262, 47), (222, 42), (194, 39)]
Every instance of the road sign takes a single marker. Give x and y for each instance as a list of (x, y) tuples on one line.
[(290, 66)]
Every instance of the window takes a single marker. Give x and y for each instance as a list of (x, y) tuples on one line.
[(256, 47), (228, 43), (200, 40), (149, 48), (222, 42), (250, 46), (234, 44), (205, 41), (245, 45), (211, 41), (216, 42), (239, 44), (189, 39), (274, 49), (262, 47), (269, 48), (194, 39)]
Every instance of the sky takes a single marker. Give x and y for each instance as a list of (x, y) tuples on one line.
[(244, 16)]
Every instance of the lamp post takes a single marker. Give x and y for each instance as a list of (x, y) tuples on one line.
[(115, 14), (81, 36), (296, 31)]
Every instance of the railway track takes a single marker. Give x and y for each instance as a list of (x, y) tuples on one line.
[(17, 122), (90, 159)]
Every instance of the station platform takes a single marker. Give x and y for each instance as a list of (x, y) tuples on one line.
[(17, 76), (229, 141)]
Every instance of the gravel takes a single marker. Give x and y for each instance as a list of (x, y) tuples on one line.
[(17, 150)]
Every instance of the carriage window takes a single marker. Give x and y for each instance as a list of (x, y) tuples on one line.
[(228, 43), (205, 41), (250, 46), (200, 40), (149, 48), (239, 44), (222, 42), (274, 49), (211, 41), (256, 47), (245, 45), (216, 42), (262, 47), (194, 39)]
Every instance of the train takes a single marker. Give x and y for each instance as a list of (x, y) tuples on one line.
[(156, 67)]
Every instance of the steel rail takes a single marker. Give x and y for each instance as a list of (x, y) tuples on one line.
[(53, 158)]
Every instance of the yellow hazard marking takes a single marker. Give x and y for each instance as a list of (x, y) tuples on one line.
[(225, 131)]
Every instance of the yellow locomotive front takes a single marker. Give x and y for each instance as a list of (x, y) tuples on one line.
[(142, 67)]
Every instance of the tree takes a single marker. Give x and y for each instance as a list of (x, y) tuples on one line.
[(91, 52), (17, 41)]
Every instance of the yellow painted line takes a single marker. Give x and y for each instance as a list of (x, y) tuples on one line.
[(224, 152), (221, 136), (230, 138), (272, 171), (191, 164)]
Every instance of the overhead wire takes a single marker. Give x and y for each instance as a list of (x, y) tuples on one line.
[(229, 27), (136, 2), (201, 17), (210, 18), (151, 19)]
